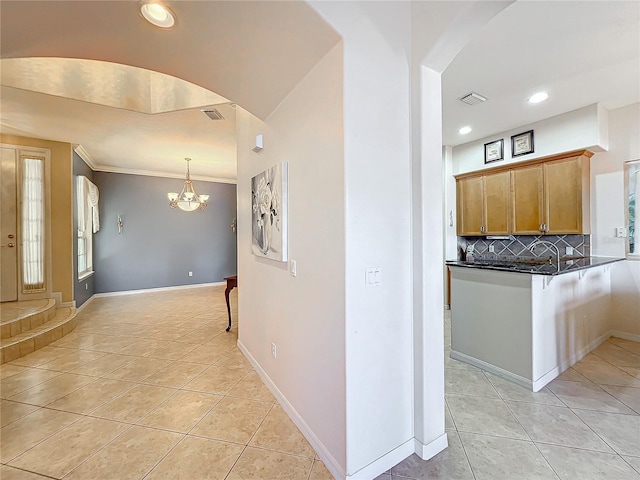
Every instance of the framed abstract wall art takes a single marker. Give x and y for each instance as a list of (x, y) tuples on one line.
[(269, 191)]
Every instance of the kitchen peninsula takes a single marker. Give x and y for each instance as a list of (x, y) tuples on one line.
[(528, 322)]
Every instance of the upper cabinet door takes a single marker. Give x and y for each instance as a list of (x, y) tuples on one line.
[(527, 200), (547, 195), (565, 185), (469, 205), (496, 203)]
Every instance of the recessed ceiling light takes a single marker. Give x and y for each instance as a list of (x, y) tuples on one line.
[(464, 130), (157, 14), (538, 97)]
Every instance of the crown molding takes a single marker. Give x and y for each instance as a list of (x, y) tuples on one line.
[(84, 155), (150, 173)]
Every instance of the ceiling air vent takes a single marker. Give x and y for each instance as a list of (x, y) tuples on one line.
[(472, 99), (213, 114)]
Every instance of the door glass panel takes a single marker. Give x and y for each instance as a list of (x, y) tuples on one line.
[(33, 232), (633, 185)]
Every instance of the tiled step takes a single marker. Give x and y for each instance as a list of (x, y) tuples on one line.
[(62, 323), (20, 317)]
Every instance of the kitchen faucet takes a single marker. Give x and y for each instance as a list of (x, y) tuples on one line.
[(550, 246)]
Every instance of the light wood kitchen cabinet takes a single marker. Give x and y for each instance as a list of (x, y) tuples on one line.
[(483, 204), (566, 196), (496, 203), (546, 195), (469, 192), (527, 200)]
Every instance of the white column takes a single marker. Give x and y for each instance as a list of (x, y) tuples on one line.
[(430, 437)]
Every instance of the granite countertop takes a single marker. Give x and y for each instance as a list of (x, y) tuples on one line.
[(566, 265)]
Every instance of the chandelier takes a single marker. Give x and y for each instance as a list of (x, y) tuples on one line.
[(188, 200)]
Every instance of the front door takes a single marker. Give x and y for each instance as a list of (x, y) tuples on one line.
[(8, 226)]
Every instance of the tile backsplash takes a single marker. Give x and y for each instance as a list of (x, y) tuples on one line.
[(515, 249)]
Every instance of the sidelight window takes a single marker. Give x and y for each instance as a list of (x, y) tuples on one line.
[(33, 224), (632, 174)]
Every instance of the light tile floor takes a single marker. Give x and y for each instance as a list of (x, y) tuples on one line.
[(13, 310), (145, 389), (585, 425), (147, 386)]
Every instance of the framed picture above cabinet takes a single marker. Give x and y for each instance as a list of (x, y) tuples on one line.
[(493, 151), (522, 144)]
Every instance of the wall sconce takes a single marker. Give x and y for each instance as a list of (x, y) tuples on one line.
[(120, 224)]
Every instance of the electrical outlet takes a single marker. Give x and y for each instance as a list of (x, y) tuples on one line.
[(492, 249), (86, 286), (191, 274), (568, 251), (274, 350)]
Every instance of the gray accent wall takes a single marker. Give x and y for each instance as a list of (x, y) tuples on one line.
[(82, 290), (159, 245)]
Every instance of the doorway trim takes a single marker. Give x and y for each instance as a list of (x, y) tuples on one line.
[(23, 151)]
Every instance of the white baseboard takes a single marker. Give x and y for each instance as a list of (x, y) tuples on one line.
[(525, 382), (539, 383), (384, 463), (370, 471), (87, 302), (431, 449), (627, 336), (57, 296), (576, 357), (159, 289), (330, 462)]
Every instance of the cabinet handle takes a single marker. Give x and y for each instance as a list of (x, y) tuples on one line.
[(540, 228)]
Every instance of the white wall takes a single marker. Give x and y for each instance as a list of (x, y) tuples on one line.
[(451, 251), (578, 129), (379, 364), (607, 213), (428, 264), (305, 315)]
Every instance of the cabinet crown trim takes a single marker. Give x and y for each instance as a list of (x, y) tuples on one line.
[(512, 166)]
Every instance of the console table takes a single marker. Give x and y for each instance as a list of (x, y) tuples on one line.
[(231, 283)]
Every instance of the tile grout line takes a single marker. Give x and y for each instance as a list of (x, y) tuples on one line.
[(466, 455), (525, 430)]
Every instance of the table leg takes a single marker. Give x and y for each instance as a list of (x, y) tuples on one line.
[(226, 296)]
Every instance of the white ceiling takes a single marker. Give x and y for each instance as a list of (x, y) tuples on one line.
[(581, 53), (251, 52), (255, 52)]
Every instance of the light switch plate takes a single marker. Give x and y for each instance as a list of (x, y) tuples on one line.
[(373, 276), (293, 268)]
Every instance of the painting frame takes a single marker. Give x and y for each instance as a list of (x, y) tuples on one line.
[(522, 143), (494, 151), (269, 213)]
